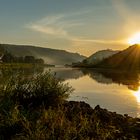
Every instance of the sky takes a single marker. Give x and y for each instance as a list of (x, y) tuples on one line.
[(83, 26)]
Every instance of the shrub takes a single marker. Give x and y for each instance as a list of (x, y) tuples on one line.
[(22, 99)]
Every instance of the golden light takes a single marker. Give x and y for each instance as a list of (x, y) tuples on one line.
[(135, 39), (137, 95)]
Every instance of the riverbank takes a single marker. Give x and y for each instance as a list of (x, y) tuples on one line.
[(18, 65), (23, 65), (36, 108)]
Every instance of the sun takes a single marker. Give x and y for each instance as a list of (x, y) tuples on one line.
[(135, 39)]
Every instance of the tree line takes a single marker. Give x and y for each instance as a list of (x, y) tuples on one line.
[(9, 58)]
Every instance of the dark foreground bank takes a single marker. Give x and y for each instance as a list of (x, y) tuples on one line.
[(35, 108)]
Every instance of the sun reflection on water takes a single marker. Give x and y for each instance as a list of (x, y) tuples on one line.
[(137, 96)]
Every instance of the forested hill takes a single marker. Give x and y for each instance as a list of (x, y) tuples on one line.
[(128, 59), (51, 56), (99, 56)]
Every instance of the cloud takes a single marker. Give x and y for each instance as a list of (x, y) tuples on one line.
[(59, 26), (56, 25), (100, 41), (90, 46), (48, 25), (49, 30)]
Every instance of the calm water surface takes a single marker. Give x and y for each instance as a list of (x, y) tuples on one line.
[(116, 91)]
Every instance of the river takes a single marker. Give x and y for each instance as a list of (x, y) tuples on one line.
[(116, 91)]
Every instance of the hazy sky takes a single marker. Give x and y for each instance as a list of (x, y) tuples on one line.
[(83, 26)]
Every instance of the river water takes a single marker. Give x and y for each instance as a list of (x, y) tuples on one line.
[(116, 91)]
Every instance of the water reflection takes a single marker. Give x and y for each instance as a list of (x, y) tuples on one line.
[(66, 73), (117, 91), (130, 79), (123, 78), (137, 95)]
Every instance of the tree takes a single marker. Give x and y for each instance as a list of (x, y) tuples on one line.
[(39, 61), (8, 57), (1, 50), (85, 61), (29, 59)]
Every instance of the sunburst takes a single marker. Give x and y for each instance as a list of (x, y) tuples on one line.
[(135, 39)]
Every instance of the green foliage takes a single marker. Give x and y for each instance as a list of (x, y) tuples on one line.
[(39, 61), (9, 58), (29, 59), (20, 96), (36, 90)]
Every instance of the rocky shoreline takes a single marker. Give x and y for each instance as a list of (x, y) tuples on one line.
[(116, 125), (36, 109)]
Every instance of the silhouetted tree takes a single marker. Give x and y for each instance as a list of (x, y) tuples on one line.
[(1, 50), (85, 61), (8, 58), (29, 59), (39, 61)]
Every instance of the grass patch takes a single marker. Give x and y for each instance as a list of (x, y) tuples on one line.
[(15, 65)]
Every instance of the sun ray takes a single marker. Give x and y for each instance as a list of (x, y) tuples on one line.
[(135, 39)]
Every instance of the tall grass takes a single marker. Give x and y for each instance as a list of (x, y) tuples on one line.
[(22, 99)]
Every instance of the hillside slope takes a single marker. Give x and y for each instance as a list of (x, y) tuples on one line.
[(51, 56), (100, 55), (128, 59)]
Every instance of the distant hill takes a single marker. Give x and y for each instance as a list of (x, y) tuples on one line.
[(128, 59), (95, 58), (51, 56), (99, 56)]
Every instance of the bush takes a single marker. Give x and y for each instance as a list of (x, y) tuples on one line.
[(34, 91), (22, 99)]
